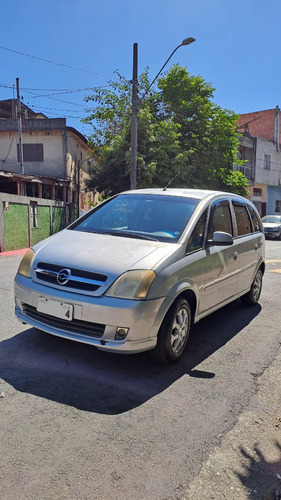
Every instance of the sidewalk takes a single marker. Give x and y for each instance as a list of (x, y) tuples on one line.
[(21, 251), (247, 463)]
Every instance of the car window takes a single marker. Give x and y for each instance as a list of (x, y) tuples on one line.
[(220, 219), (255, 221), (195, 242), (243, 221), (118, 217), (272, 219), (160, 217)]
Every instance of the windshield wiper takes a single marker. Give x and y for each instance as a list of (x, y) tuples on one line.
[(112, 232), (132, 235)]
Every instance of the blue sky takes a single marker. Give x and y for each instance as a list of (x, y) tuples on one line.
[(237, 49)]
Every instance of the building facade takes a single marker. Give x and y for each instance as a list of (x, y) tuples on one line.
[(260, 149), (41, 159)]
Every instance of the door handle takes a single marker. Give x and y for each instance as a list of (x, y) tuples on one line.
[(235, 255)]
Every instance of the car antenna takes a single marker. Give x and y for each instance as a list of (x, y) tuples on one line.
[(164, 189)]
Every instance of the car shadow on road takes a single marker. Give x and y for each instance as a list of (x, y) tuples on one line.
[(79, 375)]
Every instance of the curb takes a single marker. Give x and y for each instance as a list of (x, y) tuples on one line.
[(247, 463), (21, 251)]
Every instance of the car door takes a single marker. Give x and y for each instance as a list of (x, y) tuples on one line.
[(220, 265), (248, 243)]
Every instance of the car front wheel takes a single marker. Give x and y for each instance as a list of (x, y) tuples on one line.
[(252, 297), (173, 333)]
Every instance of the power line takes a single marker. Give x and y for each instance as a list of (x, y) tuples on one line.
[(64, 92), (54, 109), (53, 62), (56, 91), (34, 96)]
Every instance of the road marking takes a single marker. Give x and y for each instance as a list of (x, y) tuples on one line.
[(273, 262)]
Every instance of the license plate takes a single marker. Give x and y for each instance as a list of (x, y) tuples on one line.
[(55, 308)]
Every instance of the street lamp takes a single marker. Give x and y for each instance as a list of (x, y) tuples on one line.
[(134, 122)]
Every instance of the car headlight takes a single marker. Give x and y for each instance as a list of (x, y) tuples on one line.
[(132, 285), (26, 262)]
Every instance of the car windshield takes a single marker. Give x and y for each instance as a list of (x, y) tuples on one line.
[(272, 219), (156, 217)]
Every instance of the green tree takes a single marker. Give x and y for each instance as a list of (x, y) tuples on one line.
[(183, 136)]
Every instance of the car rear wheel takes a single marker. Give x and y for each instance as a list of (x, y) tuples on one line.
[(173, 333), (252, 297)]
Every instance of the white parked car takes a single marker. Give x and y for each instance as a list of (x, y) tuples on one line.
[(272, 226), (138, 270)]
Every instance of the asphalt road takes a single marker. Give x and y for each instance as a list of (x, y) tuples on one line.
[(80, 424)]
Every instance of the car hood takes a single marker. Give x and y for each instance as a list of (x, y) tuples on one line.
[(271, 224), (101, 253)]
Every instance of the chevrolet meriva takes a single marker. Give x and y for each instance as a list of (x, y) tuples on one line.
[(138, 270)]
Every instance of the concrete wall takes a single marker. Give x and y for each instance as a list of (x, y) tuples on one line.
[(16, 229)]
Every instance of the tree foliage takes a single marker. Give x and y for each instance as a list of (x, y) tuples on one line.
[(184, 138)]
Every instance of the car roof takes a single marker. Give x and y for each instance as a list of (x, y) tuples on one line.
[(199, 194)]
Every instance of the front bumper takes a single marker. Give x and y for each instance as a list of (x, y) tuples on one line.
[(272, 234), (95, 319)]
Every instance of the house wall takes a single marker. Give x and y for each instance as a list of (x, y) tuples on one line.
[(56, 180), (53, 164), (266, 188), (269, 181), (262, 124), (258, 196), (76, 152), (274, 195), (273, 175)]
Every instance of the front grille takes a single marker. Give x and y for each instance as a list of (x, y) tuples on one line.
[(75, 326), (78, 279)]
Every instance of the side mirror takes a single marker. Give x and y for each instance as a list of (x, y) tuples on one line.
[(221, 239)]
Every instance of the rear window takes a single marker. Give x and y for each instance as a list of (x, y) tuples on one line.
[(255, 220), (243, 220), (157, 217), (220, 219)]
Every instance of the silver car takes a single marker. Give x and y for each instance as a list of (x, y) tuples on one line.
[(272, 226), (138, 270)]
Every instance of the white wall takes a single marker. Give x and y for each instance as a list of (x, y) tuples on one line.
[(53, 164), (270, 177)]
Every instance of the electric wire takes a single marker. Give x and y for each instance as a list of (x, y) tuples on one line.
[(53, 62)]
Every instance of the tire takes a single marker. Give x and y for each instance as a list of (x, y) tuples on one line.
[(251, 298), (173, 333)]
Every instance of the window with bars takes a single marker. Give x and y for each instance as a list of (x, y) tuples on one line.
[(257, 192)]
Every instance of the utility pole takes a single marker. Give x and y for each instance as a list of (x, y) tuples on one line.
[(134, 123), (20, 133), (134, 174), (78, 188), (13, 104)]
